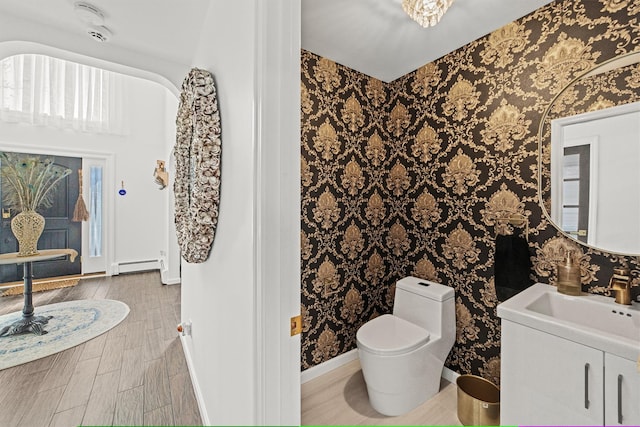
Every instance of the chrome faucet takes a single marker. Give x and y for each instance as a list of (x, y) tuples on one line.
[(620, 283)]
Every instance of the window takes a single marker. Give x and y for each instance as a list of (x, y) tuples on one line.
[(42, 90)]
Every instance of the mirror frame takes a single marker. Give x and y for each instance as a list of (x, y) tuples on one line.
[(197, 154), (608, 65)]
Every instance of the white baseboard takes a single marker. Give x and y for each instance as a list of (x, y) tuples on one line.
[(134, 266), (166, 280), (343, 359), (329, 365), (194, 381)]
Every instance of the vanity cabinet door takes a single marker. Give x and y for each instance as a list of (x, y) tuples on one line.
[(547, 380), (622, 391)]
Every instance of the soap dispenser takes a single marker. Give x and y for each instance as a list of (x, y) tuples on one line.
[(569, 277)]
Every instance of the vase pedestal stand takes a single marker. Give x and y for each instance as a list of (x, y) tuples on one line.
[(29, 322)]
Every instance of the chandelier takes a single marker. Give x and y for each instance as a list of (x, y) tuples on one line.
[(426, 12)]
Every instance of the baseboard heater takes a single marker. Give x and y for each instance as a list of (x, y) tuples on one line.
[(134, 266)]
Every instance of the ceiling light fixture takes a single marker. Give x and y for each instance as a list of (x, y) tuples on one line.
[(426, 12), (93, 19), (99, 33)]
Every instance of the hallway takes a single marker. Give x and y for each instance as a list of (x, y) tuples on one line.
[(134, 374)]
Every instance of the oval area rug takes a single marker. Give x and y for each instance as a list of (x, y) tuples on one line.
[(73, 323)]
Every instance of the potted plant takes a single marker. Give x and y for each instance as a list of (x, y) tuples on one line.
[(28, 184)]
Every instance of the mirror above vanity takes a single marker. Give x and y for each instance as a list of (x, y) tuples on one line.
[(589, 157)]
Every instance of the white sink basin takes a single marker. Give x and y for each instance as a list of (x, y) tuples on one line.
[(592, 320)]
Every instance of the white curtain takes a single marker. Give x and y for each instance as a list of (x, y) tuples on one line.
[(42, 90)]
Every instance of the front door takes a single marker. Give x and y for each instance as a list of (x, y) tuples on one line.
[(59, 231)]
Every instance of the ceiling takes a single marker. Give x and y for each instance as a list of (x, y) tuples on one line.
[(166, 29), (374, 37), (377, 38)]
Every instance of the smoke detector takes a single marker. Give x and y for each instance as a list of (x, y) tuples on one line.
[(99, 33), (88, 13)]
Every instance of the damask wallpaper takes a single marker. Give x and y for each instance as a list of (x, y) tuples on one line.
[(413, 177)]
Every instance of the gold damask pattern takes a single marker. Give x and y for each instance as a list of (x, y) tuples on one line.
[(461, 173), (352, 243), (633, 81), (326, 141), (427, 77), (461, 99), (375, 269), (427, 144), (503, 43), (352, 114), (352, 178), (442, 155), (375, 150), (426, 211), (398, 181), (566, 59), (613, 6), (326, 72), (399, 119), (506, 125), (502, 205), (460, 248)]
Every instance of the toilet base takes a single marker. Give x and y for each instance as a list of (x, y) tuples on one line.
[(398, 384), (399, 404)]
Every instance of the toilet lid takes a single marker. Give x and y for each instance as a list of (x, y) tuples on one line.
[(390, 335)]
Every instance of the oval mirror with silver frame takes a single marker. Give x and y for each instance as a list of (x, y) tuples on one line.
[(197, 172), (589, 157)]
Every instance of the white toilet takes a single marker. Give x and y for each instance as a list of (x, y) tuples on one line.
[(402, 355)]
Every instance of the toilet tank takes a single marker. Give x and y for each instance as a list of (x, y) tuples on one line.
[(427, 304)]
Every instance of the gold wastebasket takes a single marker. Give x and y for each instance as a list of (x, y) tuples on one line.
[(478, 401)]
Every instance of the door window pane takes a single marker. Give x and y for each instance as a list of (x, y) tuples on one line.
[(571, 193), (570, 219), (571, 166), (95, 212)]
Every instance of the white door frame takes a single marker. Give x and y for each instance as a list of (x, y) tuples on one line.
[(277, 219)]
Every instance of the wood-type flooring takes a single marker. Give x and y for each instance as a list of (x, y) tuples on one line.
[(340, 397), (134, 374)]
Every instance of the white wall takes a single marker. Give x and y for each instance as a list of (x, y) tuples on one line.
[(170, 268), (244, 364), (218, 295), (140, 216)]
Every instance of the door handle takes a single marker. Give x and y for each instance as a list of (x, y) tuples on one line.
[(620, 399), (586, 386)]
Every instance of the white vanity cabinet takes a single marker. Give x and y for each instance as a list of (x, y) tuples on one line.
[(548, 380), (621, 391)]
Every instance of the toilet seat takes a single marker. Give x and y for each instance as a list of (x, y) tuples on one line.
[(390, 335)]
